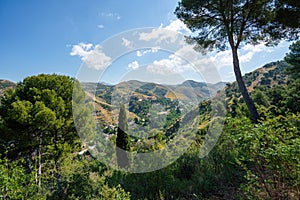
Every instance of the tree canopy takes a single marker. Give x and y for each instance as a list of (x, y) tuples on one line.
[(38, 122), (293, 58), (39, 104), (219, 24), (288, 14)]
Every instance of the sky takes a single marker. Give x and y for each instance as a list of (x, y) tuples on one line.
[(111, 41)]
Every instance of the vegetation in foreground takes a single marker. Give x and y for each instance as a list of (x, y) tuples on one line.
[(40, 147)]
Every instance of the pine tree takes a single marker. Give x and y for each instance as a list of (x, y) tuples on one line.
[(219, 24), (39, 123), (293, 58)]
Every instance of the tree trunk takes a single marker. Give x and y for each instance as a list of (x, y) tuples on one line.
[(39, 161), (238, 75), (57, 163), (58, 178)]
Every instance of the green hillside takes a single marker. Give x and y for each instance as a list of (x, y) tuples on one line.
[(151, 136), (184, 90), (269, 75), (142, 95), (42, 156)]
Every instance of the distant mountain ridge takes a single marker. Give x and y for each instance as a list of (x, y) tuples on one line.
[(143, 86), (6, 84), (189, 93)]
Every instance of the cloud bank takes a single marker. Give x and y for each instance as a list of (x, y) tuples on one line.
[(92, 56)]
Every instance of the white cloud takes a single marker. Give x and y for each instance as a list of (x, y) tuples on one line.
[(139, 53), (158, 35), (126, 43), (219, 60), (246, 57), (100, 26), (178, 26), (254, 48), (183, 60), (251, 50), (81, 49), (223, 58), (152, 50), (110, 14), (92, 56), (134, 65), (165, 32), (171, 65), (187, 52), (246, 53)]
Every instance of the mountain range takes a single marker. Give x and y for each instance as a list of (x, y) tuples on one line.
[(188, 90), (140, 95), (188, 93)]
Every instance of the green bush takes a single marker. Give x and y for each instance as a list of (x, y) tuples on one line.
[(269, 153)]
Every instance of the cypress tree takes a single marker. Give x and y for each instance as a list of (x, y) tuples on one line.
[(123, 139)]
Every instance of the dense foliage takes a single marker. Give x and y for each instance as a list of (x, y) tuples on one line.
[(39, 144), (293, 58), (43, 158)]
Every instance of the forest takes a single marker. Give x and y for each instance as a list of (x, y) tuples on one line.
[(40, 147), (47, 149)]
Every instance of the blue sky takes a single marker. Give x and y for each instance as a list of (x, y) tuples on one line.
[(59, 36)]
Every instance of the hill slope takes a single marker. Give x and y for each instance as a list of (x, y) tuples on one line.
[(141, 95), (5, 84), (262, 84), (269, 75), (184, 91)]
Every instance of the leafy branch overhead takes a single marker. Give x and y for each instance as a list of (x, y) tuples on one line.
[(293, 58), (215, 23)]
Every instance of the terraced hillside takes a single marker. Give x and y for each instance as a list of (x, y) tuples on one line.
[(142, 97)]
